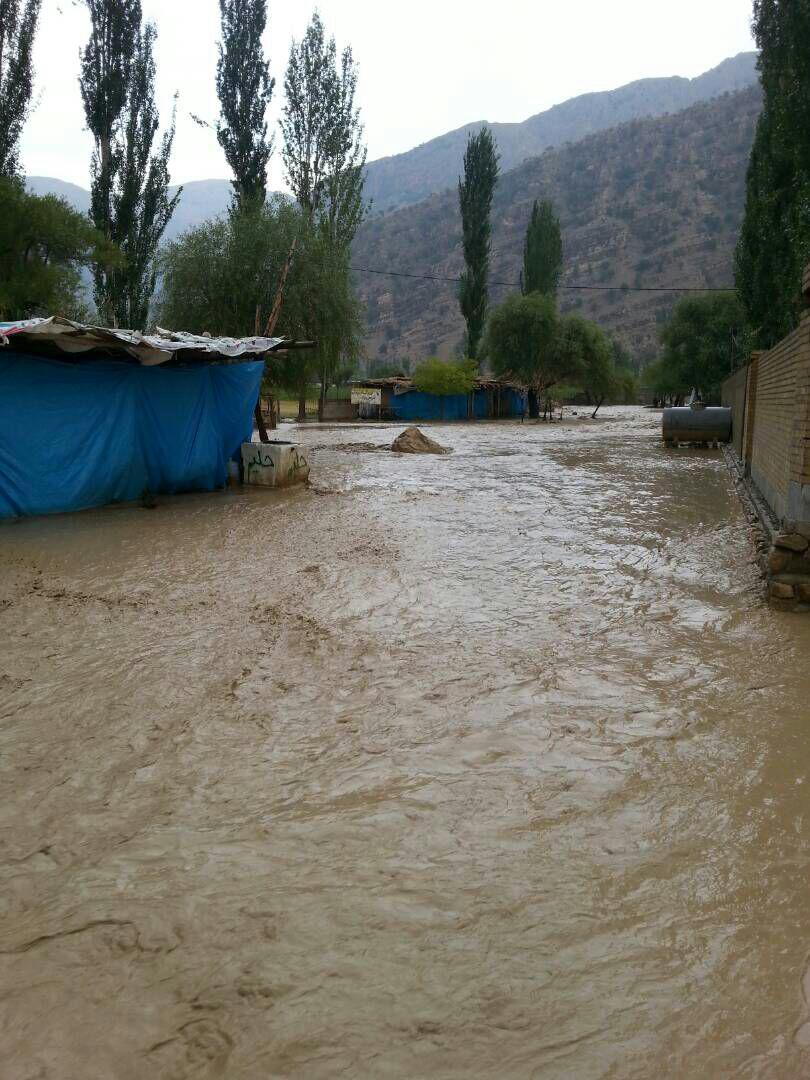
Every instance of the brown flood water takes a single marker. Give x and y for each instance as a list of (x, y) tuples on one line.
[(492, 765)]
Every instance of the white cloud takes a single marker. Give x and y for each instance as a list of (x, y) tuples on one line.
[(425, 67)]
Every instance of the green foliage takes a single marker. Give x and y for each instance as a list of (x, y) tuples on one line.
[(324, 156), (701, 344), (323, 152), (662, 382), (774, 244), (18, 26), (382, 369), (588, 357), (130, 204), (43, 245), (445, 378), (625, 390), (542, 251), (244, 89), (522, 342), (475, 194), (222, 277)]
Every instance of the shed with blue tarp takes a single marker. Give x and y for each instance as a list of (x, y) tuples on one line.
[(90, 416), (490, 399)]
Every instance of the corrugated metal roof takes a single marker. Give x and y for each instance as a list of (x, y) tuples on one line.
[(401, 384), (148, 349)]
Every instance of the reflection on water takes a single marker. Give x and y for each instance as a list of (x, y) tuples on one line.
[(489, 765)]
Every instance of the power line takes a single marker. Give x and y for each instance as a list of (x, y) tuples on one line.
[(578, 288)]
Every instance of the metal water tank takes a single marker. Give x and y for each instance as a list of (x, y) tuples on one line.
[(697, 424)]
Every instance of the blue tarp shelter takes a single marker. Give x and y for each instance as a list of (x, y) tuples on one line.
[(106, 424), (402, 402), (414, 405)]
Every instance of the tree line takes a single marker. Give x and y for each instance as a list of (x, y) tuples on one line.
[(708, 337), (228, 275)]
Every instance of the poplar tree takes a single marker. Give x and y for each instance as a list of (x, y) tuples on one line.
[(475, 194), (18, 25), (324, 156), (542, 251), (308, 118), (244, 89), (774, 244), (130, 203)]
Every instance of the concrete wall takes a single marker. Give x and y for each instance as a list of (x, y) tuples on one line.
[(339, 410)]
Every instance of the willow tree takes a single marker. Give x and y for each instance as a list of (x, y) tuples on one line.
[(44, 247), (130, 201), (523, 344), (324, 156), (245, 90), (774, 244), (475, 193), (18, 26), (542, 251)]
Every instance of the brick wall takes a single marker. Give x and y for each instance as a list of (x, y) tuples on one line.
[(770, 400), (734, 393), (771, 407)]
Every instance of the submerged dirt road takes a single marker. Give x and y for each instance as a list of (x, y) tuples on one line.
[(488, 765)]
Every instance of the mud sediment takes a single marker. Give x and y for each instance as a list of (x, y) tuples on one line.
[(495, 771)]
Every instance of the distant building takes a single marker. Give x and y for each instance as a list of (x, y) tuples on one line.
[(399, 400), (90, 416)]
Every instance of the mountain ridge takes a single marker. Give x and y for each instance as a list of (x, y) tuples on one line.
[(652, 202), (403, 179)]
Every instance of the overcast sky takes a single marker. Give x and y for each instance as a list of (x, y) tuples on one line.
[(426, 66)]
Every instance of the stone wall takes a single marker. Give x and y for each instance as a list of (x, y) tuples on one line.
[(770, 400)]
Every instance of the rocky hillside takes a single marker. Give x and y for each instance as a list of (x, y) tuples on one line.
[(408, 178), (650, 203)]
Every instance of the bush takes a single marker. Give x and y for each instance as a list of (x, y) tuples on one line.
[(445, 378)]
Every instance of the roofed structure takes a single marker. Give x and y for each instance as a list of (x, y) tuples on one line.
[(62, 338)]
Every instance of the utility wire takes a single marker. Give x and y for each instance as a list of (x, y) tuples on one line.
[(579, 288)]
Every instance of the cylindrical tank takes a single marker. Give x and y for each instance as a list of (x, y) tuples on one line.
[(697, 425)]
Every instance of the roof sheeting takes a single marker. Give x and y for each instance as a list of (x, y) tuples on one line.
[(401, 384), (63, 335)]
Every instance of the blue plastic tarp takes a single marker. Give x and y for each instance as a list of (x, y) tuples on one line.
[(80, 434), (413, 405)]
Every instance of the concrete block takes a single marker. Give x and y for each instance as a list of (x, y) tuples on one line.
[(274, 464)]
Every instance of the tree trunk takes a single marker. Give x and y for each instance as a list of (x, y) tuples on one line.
[(302, 408), (598, 407), (260, 425), (534, 405)]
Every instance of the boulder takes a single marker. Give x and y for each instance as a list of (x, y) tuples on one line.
[(781, 591), (792, 542), (778, 561), (414, 441)]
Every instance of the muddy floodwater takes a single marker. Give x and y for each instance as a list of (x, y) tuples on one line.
[(486, 765)]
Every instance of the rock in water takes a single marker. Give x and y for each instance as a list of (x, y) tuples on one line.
[(414, 441)]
